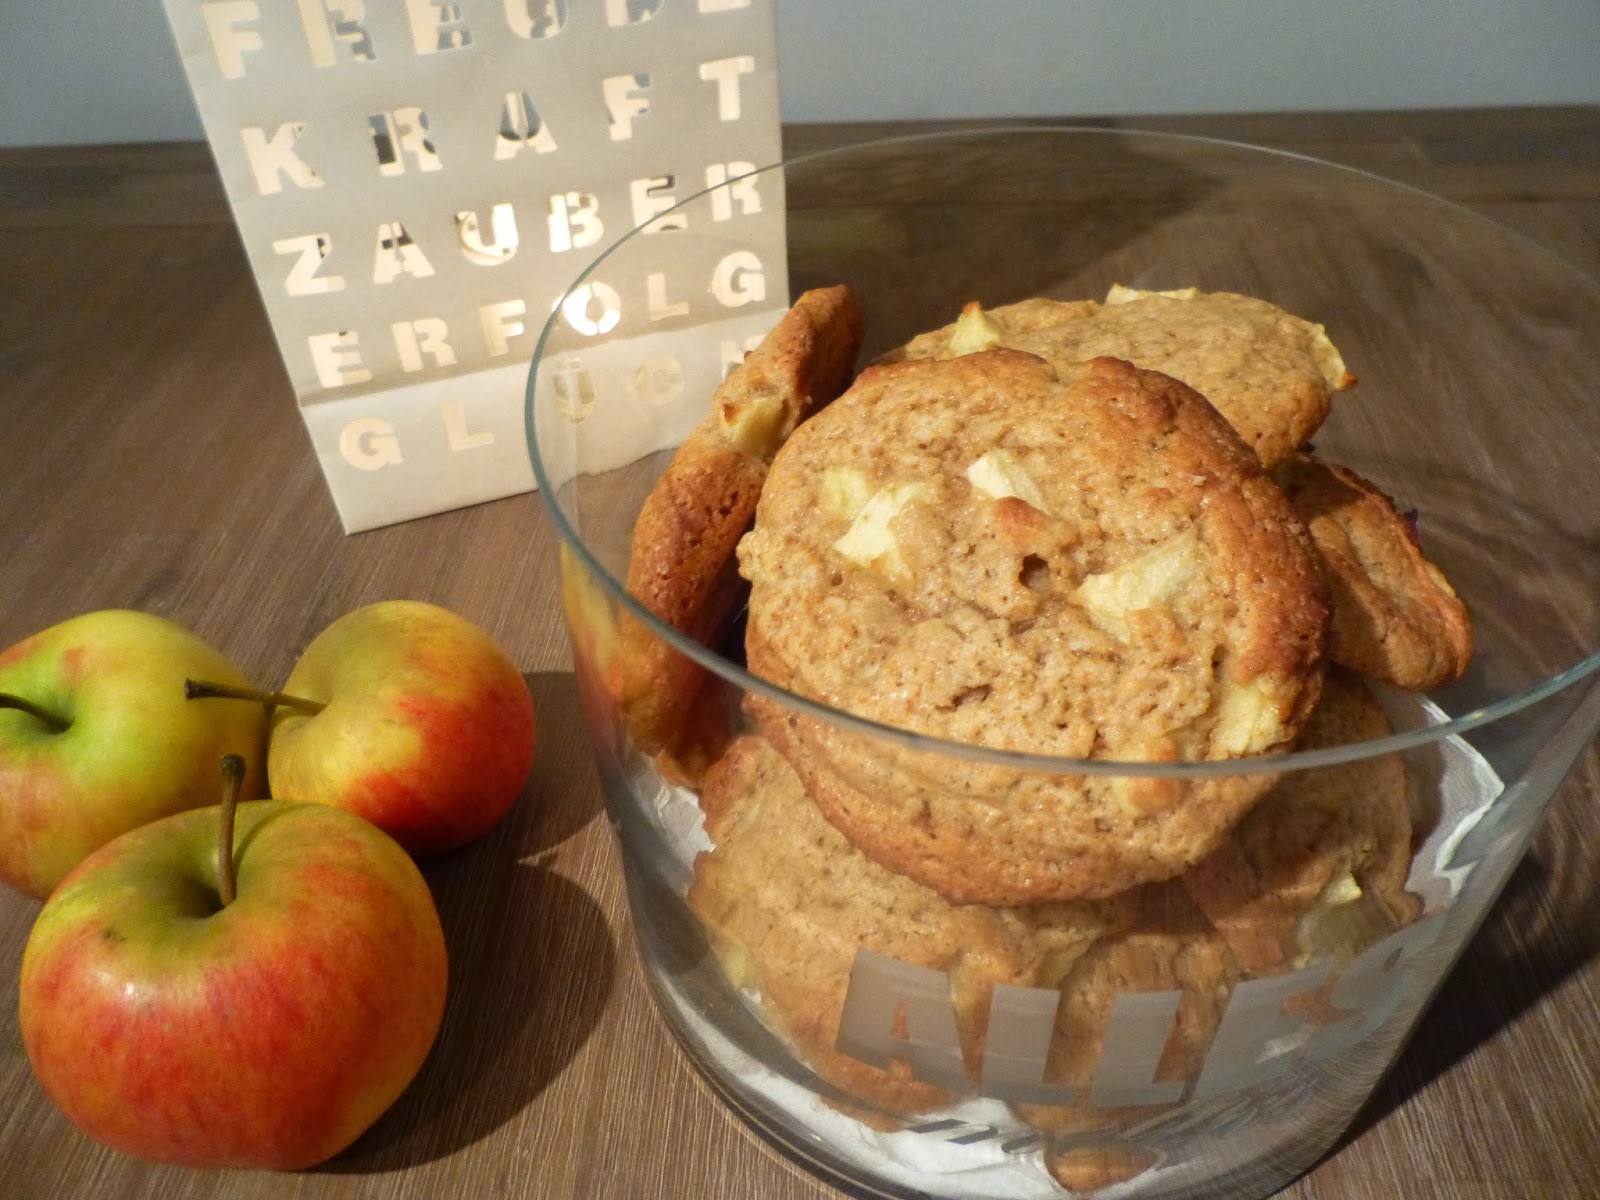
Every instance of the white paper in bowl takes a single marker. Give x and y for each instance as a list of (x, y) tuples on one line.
[(1461, 785)]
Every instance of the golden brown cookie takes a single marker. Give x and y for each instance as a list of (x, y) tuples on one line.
[(1269, 372), (1169, 948), (1085, 1169), (1395, 616), (786, 902), (681, 565), (1317, 869), (1084, 562)]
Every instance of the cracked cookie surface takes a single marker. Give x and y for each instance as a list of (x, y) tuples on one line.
[(1271, 373), (1083, 562)]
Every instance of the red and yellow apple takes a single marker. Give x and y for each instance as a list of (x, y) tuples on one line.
[(409, 715), (268, 1030), (96, 738)]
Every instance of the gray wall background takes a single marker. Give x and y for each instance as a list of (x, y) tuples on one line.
[(81, 73)]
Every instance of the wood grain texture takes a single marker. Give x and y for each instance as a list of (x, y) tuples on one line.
[(151, 456)]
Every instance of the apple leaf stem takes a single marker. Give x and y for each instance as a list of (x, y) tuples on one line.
[(57, 724), (200, 689), (232, 781)]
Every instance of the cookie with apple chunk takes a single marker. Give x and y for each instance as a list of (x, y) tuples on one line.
[(1083, 561), (1270, 373), (1317, 869), (787, 902), (1169, 946), (1395, 616), (681, 564)]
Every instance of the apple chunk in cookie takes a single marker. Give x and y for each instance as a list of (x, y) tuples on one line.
[(1317, 868), (681, 560), (1084, 562), (1271, 373)]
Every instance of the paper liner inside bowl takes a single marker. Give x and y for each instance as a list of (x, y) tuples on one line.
[(980, 1148)]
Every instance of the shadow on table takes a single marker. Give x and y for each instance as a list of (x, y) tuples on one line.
[(532, 960), (1537, 936), (1527, 574)]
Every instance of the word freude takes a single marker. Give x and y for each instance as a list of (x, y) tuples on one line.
[(317, 153), (335, 27)]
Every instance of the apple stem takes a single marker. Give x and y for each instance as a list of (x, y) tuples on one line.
[(200, 689), (232, 781), (57, 724)]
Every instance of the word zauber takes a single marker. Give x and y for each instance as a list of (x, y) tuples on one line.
[(402, 142)]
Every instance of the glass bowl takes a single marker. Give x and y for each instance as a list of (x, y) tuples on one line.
[(909, 1041)]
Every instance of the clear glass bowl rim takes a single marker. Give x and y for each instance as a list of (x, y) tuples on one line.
[(740, 677)]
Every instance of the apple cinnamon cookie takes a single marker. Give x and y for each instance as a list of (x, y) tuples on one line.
[(681, 563), (1084, 562), (1272, 374), (1317, 869), (1395, 616), (787, 902), (1169, 947)]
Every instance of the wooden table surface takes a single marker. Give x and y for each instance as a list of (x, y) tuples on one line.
[(151, 457)]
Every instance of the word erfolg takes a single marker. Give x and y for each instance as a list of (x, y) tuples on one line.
[(555, 158)]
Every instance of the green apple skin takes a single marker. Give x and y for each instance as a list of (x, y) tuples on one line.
[(428, 729), (134, 749), (268, 1033)]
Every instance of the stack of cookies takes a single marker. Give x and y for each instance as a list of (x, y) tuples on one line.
[(1059, 529)]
